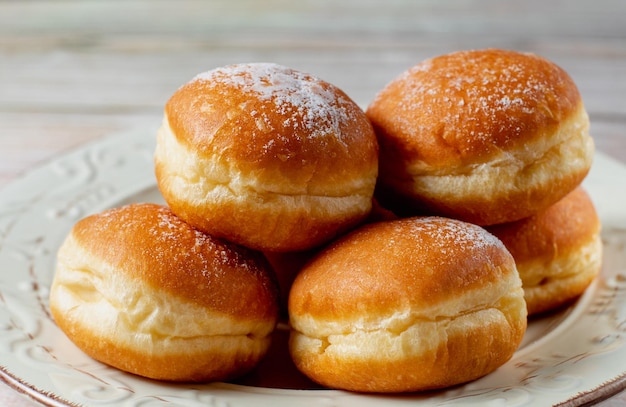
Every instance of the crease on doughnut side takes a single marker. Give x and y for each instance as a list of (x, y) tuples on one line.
[(397, 329), (420, 331), (418, 338)]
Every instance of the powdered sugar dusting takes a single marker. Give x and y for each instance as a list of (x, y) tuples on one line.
[(174, 241), (212, 253), (453, 240), (477, 95), (448, 249), (461, 234), (302, 99)]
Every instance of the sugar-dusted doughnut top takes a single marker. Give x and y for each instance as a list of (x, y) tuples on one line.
[(287, 127)]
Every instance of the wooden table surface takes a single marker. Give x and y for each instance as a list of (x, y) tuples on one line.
[(76, 71)]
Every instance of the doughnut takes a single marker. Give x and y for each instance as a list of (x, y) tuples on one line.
[(138, 289), (267, 157), (484, 136), (558, 251), (406, 305)]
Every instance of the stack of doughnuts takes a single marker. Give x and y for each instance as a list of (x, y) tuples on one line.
[(406, 244)]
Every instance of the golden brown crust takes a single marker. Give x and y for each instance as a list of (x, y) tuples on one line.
[(426, 290), (559, 230), (139, 289), (269, 119), (268, 157), (558, 251), (419, 275), (480, 135), (148, 242), (468, 106)]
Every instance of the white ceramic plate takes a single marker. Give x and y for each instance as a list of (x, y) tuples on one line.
[(571, 357)]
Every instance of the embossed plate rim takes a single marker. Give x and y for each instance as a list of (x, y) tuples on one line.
[(39, 208)]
